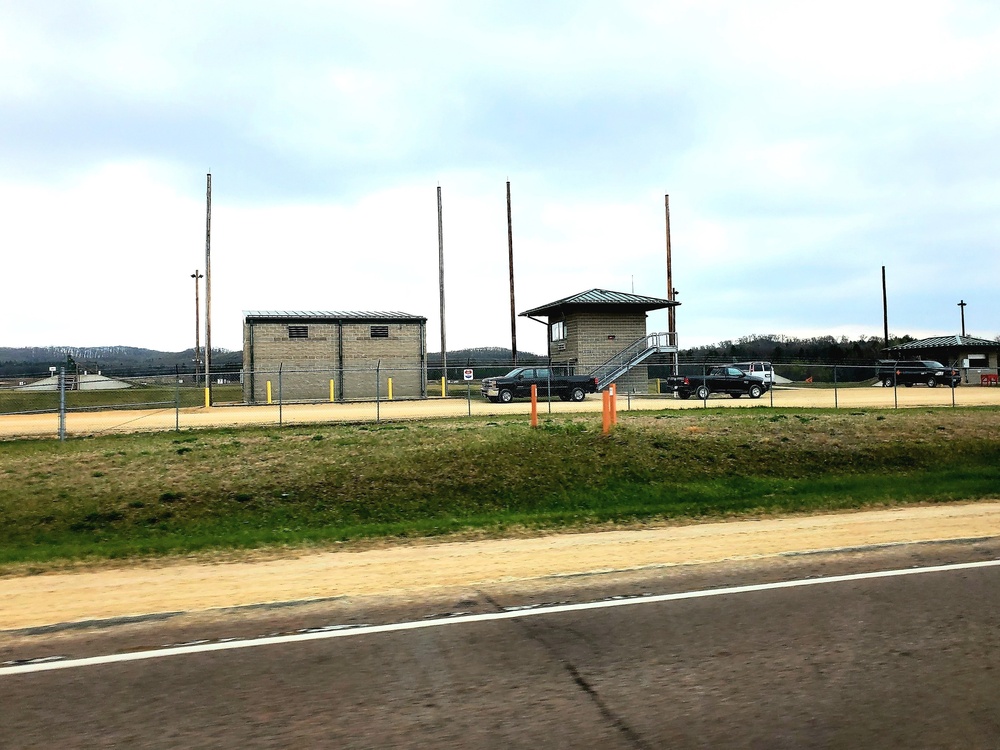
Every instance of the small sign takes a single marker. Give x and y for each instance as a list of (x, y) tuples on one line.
[(52, 369), (467, 374)]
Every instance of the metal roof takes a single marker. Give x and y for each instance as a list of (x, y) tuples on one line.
[(601, 297), (331, 315), (945, 342)]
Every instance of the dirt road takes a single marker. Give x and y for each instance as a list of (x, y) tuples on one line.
[(416, 569), (97, 422)]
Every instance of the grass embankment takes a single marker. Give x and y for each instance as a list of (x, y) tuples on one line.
[(118, 496)]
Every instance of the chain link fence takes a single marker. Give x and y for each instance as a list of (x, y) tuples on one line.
[(69, 404)]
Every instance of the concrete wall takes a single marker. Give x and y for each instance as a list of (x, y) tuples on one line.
[(343, 352), (589, 344)]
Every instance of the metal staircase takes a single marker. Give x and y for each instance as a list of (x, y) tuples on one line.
[(633, 355)]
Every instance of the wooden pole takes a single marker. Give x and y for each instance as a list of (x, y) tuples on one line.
[(510, 252), (444, 338), (208, 291), (885, 310)]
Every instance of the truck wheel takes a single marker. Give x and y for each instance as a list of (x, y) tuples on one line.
[(506, 396), (755, 391), (701, 392), (577, 394), (685, 395), (887, 381), (735, 394), (931, 382)]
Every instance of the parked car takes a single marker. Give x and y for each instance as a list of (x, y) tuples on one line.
[(762, 370), (731, 380), (517, 384), (910, 372)]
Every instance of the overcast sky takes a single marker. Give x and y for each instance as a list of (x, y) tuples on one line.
[(804, 145)]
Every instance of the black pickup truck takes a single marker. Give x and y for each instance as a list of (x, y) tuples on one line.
[(911, 372), (517, 384), (729, 380)]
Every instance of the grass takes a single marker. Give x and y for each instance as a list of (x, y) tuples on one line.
[(134, 495)]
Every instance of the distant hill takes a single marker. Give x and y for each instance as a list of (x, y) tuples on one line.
[(117, 360)]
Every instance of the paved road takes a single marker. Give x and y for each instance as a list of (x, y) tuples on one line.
[(138, 420), (909, 661)]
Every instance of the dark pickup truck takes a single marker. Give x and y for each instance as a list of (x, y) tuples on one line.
[(517, 384), (729, 380), (913, 371)]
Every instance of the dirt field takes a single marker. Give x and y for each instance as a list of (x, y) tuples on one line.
[(86, 423), (203, 584)]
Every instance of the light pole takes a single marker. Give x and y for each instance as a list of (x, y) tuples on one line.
[(962, 307), (197, 324)]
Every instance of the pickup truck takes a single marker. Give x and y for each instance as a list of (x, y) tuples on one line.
[(517, 384), (910, 372), (731, 380)]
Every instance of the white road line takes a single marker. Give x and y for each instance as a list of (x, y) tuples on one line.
[(465, 619)]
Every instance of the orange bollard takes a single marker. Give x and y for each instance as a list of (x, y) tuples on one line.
[(606, 412), (613, 398), (534, 405)]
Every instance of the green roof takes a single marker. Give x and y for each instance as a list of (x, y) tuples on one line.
[(602, 298)]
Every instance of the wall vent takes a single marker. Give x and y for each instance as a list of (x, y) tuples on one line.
[(298, 332), (380, 332)]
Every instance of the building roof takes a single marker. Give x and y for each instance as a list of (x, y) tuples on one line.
[(331, 315), (947, 342), (602, 298)]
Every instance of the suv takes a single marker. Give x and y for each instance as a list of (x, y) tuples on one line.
[(909, 372), (762, 370)]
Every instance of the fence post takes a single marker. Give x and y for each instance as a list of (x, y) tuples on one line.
[(281, 416), (177, 399), (836, 404), (62, 404), (378, 394)]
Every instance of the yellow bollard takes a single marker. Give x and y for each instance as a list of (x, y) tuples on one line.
[(331, 391), (390, 389), (444, 387), (613, 398), (269, 391), (657, 386), (208, 397), (605, 412)]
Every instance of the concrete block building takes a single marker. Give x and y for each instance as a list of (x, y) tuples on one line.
[(589, 329), (313, 348)]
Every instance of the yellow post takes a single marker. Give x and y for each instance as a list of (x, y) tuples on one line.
[(613, 402), (444, 387), (331, 390), (657, 386), (534, 405), (208, 397), (268, 391), (390, 389)]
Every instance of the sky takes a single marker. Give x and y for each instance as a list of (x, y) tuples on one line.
[(803, 146)]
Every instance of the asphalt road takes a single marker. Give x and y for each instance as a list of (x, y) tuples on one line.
[(893, 662)]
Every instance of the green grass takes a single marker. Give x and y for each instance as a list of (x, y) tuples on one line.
[(131, 495)]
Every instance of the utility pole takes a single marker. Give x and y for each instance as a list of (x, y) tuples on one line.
[(444, 339), (885, 310), (510, 251), (208, 292), (197, 324), (962, 306), (671, 292)]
